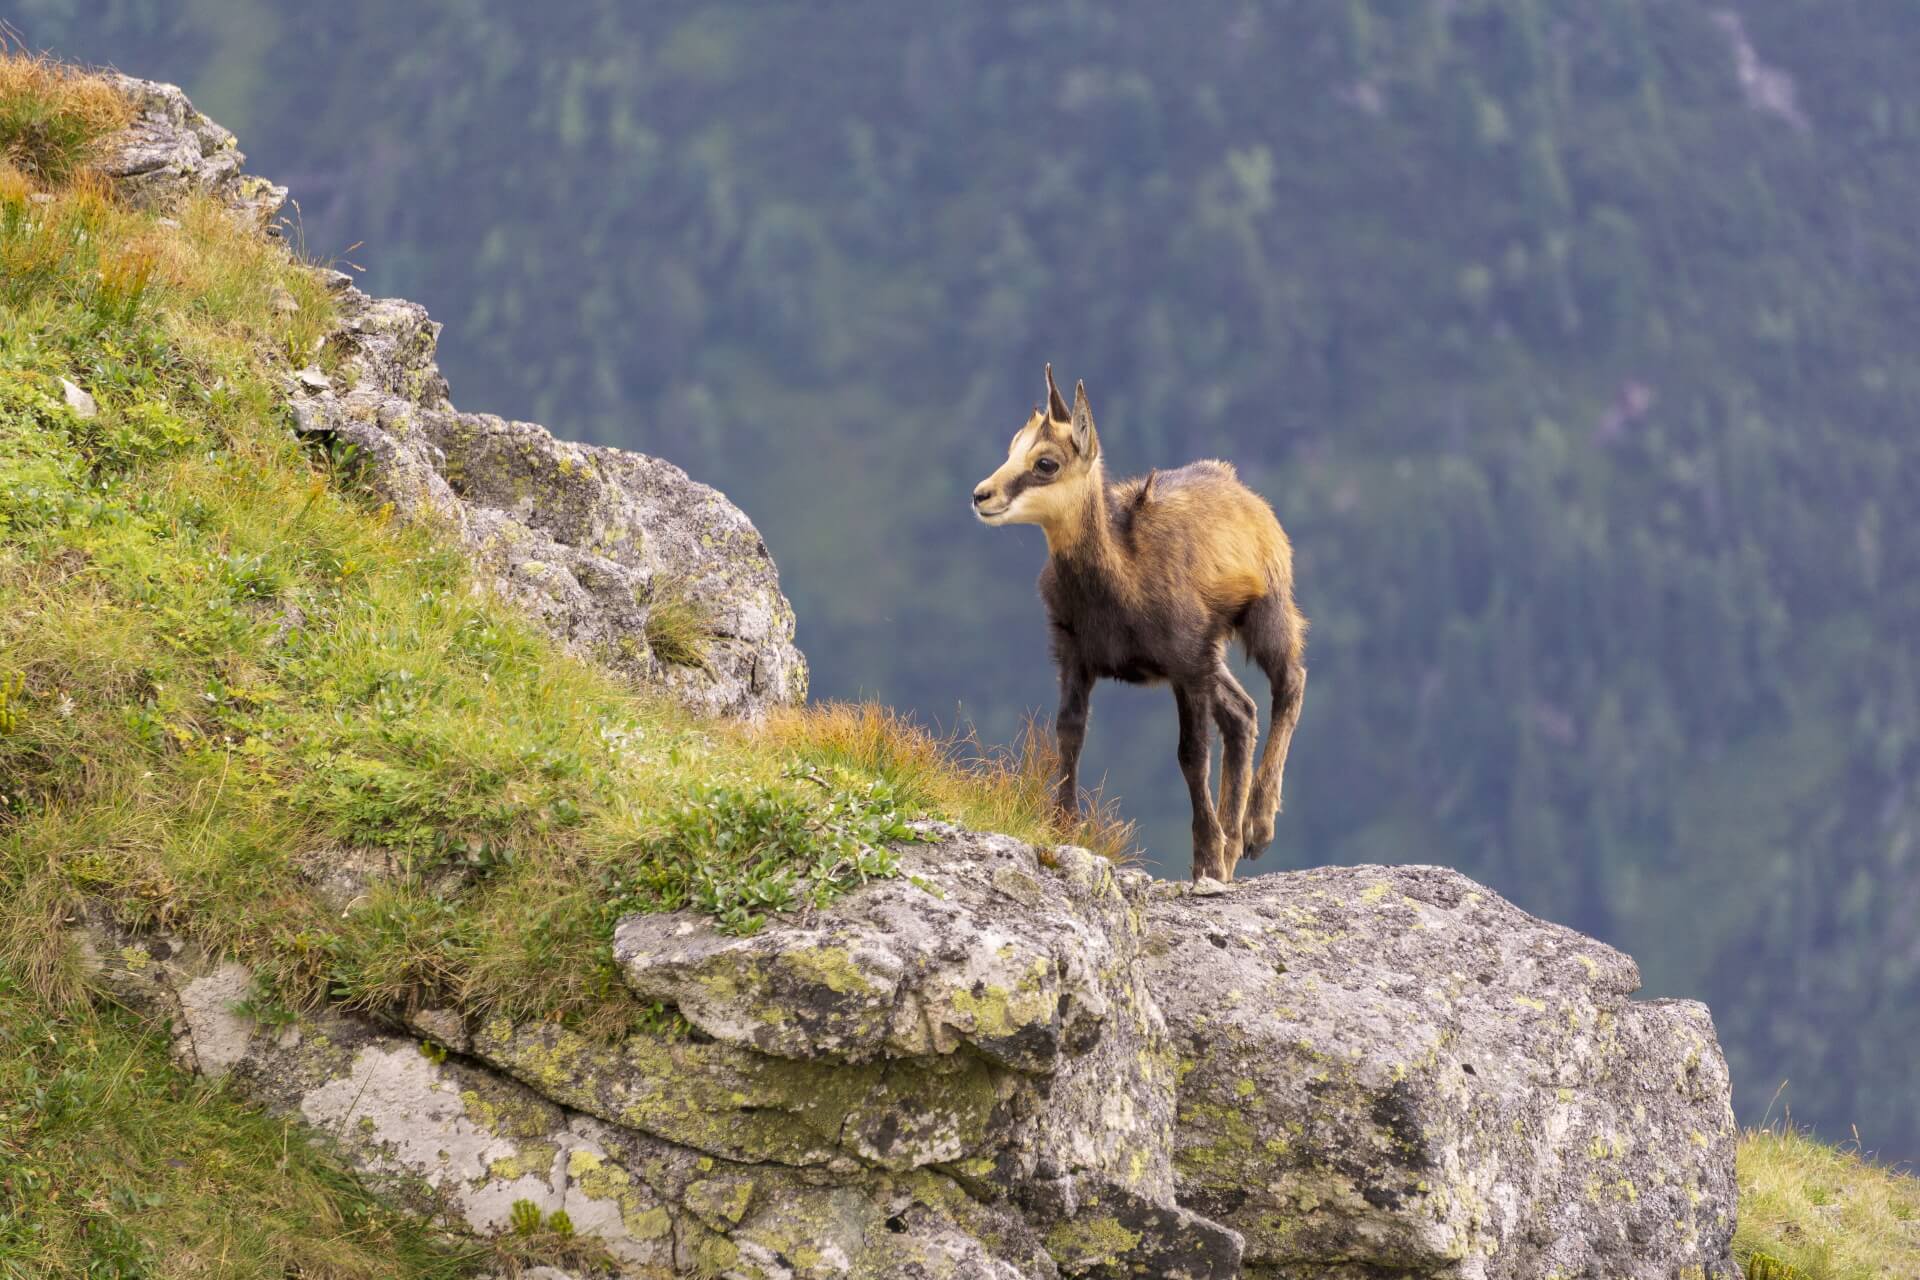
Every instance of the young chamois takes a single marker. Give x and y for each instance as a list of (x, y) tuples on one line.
[(1148, 580)]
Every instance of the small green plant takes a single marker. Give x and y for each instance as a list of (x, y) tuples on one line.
[(661, 1020), (525, 1218), (1764, 1266), (679, 628), (536, 1239), (12, 714), (263, 1007)]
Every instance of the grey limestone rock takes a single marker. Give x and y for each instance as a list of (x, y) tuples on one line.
[(1016, 1062), (172, 151), (1393, 1071)]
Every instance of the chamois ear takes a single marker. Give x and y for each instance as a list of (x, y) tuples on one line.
[(1056, 403), (1085, 439)]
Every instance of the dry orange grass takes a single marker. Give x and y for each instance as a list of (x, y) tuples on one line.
[(51, 116), (1006, 789)]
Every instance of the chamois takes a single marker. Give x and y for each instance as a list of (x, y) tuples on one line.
[(1148, 580)]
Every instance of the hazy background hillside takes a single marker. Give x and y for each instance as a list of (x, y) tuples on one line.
[(1573, 344)]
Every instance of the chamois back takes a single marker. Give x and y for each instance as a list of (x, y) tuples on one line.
[(1196, 530)]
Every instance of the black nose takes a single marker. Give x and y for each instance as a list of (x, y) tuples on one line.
[(981, 494)]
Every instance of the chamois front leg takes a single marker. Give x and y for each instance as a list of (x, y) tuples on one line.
[(1070, 731), (1196, 705)]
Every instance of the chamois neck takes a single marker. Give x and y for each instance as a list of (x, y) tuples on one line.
[(1085, 533)]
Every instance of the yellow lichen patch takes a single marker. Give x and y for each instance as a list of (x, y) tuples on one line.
[(1094, 1241), (997, 1013), (1217, 1147), (720, 1198), (649, 1224), (831, 967), (479, 1110), (506, 1169)]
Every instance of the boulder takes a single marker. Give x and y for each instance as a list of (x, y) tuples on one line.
[(1394, 1071), (997, 989)]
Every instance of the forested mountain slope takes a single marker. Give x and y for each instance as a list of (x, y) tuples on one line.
[(1572, 344)]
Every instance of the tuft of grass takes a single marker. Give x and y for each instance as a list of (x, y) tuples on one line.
[(1008, 789), (1811, 1211), (536, 1240), (678, 628), (53, 115)]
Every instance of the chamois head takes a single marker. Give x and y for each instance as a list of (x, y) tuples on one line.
[(1050, 464)]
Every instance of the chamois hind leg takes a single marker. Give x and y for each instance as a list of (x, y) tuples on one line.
[(1070, 732), (1275, 637), (1238, 716), (1196, 744)]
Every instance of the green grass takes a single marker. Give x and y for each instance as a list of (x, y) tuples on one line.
[(678, 629), (1811, 1211), (114, 1164)]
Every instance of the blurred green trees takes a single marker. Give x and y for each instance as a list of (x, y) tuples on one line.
[(1579, 370)]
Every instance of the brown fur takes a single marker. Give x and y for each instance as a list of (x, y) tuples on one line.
[(1149, 580)]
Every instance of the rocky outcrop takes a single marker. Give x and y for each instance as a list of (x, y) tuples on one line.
[(172, 151), (1018, 1062), (601, 546)]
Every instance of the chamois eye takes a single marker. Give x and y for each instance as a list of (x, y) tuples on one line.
[(1047, 467)]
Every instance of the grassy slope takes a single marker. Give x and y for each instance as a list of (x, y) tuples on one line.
[(1818, 1212), (220, 665)]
